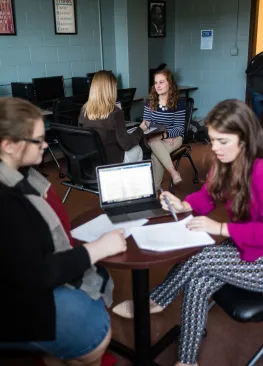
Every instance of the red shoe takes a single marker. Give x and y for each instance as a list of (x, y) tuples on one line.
[(108, 360)]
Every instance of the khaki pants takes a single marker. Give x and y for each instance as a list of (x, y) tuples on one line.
[(161, 159)]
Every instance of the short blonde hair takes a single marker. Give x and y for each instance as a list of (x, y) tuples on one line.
[(102, 96)]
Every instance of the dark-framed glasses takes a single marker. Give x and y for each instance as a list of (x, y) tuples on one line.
[(38, 141)]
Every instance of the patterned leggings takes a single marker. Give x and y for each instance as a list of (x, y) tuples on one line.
[(200, 277)]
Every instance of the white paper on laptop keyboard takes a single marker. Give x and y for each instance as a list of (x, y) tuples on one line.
[(169, 236), (93, 229)]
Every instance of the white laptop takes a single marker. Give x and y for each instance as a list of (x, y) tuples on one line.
[(127, 191)]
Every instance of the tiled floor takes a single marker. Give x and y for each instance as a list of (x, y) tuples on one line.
[(228, 343)]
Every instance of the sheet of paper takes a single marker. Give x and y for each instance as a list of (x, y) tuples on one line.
[(207, 39), (169, 236), (150, 130), (93, 229), (132, 129), (145, 132)]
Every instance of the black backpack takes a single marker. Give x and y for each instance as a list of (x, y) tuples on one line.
[(254, 73)]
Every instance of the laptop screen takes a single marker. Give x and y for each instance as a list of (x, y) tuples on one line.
[(125, 182)]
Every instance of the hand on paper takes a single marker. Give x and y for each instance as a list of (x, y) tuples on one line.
[(174, 201), (108, 244), (203, 223)]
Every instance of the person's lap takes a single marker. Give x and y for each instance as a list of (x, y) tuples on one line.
[(81, 325)]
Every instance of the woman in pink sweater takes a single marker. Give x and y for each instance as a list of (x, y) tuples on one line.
[(236, 179)]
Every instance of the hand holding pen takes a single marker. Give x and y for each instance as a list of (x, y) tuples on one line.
[(145, 125), (168, 203)]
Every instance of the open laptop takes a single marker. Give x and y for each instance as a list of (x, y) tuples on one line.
[(127, 191)]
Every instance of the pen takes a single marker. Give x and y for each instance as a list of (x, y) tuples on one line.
[(170, 206), (147, 125)]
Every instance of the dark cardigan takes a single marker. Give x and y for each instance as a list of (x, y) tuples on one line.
[(113, 133), (29, 270)]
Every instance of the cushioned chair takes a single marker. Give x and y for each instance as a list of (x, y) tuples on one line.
[(125, 97), (241, 305), (65, 111), (185, 150), (84, 151)]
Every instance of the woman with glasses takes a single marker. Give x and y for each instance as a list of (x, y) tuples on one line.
[(101, 114), (53, 295)]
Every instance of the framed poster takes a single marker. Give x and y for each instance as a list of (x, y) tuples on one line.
[(65, 16), (7, 18), (156, 19)]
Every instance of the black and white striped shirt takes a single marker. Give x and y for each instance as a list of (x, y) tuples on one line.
[(173, 120)]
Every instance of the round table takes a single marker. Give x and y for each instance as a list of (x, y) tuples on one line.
[(139, 261)]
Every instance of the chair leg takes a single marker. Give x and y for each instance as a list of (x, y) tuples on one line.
[(66, 195), (196, 179), (61, 175), (256, 357), (211, 305)]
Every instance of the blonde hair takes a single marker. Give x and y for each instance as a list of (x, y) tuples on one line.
[(102, 96)]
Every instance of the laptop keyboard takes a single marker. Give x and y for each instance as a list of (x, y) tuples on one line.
[(133, 208)]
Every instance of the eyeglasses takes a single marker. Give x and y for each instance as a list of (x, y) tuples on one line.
[(35, 141)]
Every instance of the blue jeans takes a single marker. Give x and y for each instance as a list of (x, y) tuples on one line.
[(256, 101), (81, 325)]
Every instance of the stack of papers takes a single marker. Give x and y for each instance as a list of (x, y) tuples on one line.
[(145, 132), (93, 229), (170, 236), (150, 130)]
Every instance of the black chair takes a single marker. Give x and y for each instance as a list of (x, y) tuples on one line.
[(185, 150), (84, 151), (125, 97), (243, 306), (65, 111)]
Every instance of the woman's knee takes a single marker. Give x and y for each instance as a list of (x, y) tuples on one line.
[(94, 356)]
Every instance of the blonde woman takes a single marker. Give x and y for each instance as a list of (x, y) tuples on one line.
[(101, 113)]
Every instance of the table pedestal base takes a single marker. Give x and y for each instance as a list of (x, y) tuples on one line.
[(144, 353)]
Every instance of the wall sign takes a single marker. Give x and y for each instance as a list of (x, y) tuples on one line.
[(7, 18), (64, 15), (207, 39)]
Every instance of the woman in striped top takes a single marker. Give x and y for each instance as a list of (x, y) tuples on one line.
[(163, 107)]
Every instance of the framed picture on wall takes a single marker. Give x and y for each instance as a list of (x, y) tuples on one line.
[(65, 16), (7, 18), (156, 19)]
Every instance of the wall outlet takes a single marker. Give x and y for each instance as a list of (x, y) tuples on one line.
[(234, 51)]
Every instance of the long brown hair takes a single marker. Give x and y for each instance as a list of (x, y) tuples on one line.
[(173, 92), (17, 118), (102, 96), (233, 180)]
